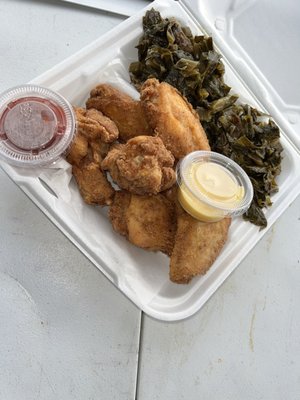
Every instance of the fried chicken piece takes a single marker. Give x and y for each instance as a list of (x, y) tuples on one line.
[(90, 146), (86, 158), (142, 166), (148, 222), (173, 118), (78, 150), (197, 245), (93, 130), (126, 112), (95, 126), (117, 211), (99, 150), (93, 184)]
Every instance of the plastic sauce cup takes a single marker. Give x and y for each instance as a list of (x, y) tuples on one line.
[(37, 126), (212, 186)]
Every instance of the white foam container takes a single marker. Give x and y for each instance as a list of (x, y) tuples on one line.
[(116, 6), (143, 276)]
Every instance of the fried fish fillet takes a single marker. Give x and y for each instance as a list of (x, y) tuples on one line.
[(142, 166), (126, 112), (148, 222), (172, 118), (197, 245)]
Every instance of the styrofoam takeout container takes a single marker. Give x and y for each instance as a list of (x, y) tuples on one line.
[(143, 276)]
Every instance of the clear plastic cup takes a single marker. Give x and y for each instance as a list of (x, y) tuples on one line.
[(212, 186), (37, 126)]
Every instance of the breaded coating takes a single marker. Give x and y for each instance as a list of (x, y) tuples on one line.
[(142, 166), (78, 150), (173, 118), (197, 245), (90, 146), (148, 222), (93, 184), (93, 130), (99, 150), (117, 211), (122, 109), (95, 126)]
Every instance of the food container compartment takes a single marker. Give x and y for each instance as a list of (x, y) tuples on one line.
[(268, 60), (142, 276)]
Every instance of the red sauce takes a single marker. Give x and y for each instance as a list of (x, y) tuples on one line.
[(32, 124)]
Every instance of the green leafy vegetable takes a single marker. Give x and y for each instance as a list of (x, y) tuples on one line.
[(238, 133), (169, 52)]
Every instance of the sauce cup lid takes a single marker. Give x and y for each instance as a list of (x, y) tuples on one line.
[(37, 125)]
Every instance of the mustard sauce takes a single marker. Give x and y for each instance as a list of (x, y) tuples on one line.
[(214, 189)]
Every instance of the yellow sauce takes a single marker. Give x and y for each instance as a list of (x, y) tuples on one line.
[(215, 185)]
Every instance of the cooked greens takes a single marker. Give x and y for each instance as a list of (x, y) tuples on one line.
[(169, 52), (172, 54), (239, 133)]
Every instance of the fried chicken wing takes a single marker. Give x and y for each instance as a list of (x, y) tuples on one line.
[(142, 166), (93, 125), (78, 150), (172, 118), (117, 211), (197, 245), (126, 112), (148, 222), (93, 184), (90, 146), (93, 130), (99, 150)]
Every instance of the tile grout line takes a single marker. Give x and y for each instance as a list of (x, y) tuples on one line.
[(139, 356)]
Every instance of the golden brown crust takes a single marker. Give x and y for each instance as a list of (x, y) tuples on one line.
[(93, 185), (197, 245), (142, 166), (78, 150), (95, 126), (98, 150), (172, 118), (147, 222), (90, 146), (122, 109), (117, 211)]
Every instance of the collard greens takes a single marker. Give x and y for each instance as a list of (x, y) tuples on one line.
[(170, 53)]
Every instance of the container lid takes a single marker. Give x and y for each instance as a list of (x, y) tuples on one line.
[(37, 125), (117, 6), (260, 39)]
